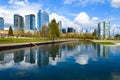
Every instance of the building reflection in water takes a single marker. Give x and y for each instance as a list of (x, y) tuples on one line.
[(1, 57), (30, 56), (115, 76), (18, 56), (42, 56), (103, 51), (55, 53), (37, 56), (80, 52)]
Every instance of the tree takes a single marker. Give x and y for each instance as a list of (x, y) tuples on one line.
[(53, 30), (16, 33), (117, 36), (22, 33), (94, 34), (36, 34), (10, 32), (44, 31), (28, 34)]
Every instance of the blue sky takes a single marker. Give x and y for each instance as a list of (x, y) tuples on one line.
[(73, 13)]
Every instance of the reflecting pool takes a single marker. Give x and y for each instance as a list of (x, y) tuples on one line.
[(82, 60)]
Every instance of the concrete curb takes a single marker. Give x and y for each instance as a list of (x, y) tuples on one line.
[(23, 45)]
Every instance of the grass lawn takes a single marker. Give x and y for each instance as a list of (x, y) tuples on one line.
[(25, 40), (20, 40), (106, 42)]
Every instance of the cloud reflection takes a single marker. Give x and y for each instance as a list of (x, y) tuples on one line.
[(82, 59)]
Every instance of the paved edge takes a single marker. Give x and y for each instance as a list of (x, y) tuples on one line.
[(31, 44)]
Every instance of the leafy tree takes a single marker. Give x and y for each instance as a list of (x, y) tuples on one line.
[(36, 34), (117, 36), (10, 32), (44, 31), (28, 34), (53, 30), (94, 34), (22, 33), (17, 33)]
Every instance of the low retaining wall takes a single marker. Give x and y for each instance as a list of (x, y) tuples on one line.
[(23, 45)]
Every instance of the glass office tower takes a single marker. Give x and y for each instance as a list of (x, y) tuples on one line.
[(1, 23), (30, 22), (104, 29), (42, 19), (60, 26), (18, 23)]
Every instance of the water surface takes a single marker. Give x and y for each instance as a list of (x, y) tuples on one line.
[(67, 61)]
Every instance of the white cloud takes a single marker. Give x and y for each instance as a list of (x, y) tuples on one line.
[(114, 26), (115, 29), (17, 2), (84, 20), (22, 7), (69, 1), (83, 2), (65, 21), (81, 21), (115, 3), (95, 19)]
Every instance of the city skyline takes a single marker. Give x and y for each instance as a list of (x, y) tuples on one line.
[(30, 22), (72, 13)]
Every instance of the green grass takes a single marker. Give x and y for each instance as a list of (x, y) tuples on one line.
[(106, 43), (25, 40), (20, 40)]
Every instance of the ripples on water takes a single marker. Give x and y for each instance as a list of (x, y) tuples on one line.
[(67, 61)]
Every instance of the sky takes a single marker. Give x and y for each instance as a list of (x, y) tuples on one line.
[(79, 14)]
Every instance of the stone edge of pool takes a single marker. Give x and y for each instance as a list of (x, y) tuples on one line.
[(4, 47)]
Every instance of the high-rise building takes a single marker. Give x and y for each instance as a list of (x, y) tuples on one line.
[(64, 31), (42, 19), (18, 22), (71, 30), (104, 29), (60, 26), (1, 23), (30, 22), (101, 30), (107, 29)]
